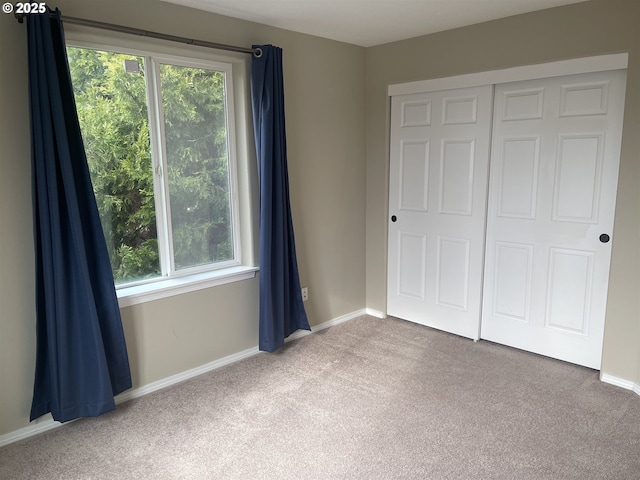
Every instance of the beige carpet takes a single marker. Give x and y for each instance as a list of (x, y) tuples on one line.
[(368, 399)]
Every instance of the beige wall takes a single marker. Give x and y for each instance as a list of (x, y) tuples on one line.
[(579, 30), (325, 106)]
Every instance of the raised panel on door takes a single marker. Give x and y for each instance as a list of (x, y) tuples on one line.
[(456, 176), (412, 258), (414, 175), (569, 290), (512, 281), (552, 191), (518, 176), (578, 177), (452, 272), (437, 195)]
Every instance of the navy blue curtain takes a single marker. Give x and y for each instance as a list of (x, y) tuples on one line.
[(81, 359), (281, 308)]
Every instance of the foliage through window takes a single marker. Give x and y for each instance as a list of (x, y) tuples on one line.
[(157, 134)]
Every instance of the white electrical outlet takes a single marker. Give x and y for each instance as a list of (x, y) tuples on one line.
[(305, 294)]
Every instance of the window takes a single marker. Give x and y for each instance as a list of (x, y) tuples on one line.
[(159, 133)]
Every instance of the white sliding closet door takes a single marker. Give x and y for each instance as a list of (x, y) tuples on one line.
[(554, 174), (437, 207)]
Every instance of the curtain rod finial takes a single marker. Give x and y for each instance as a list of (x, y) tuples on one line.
[(19, 17)]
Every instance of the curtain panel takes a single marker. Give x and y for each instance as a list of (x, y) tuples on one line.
[(81, 358), (281, 309)]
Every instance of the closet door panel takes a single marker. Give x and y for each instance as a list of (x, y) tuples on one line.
[(437, 207), (552, 192)]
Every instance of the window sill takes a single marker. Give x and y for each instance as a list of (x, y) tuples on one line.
[(177, 286)]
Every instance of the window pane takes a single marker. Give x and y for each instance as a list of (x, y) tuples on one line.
[(112, 110), (197, 164)]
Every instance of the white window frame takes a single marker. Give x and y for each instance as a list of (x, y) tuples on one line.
[(159, 158), (172, 282)]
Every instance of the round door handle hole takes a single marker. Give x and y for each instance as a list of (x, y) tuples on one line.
[(393, 218), (604, 238)]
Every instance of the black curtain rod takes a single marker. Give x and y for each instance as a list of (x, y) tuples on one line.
[(145, 33)]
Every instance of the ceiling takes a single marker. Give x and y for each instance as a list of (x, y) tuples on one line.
[(370, 22)]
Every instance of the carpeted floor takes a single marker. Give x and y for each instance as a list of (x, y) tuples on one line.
[(367, 399)]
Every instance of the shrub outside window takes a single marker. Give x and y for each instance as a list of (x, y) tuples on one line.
[(159, 136)]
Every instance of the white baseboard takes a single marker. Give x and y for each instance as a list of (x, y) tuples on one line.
[(375, 313), (620, 382), (45, 424), (186, 375), (327, 324), (41, 426)]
